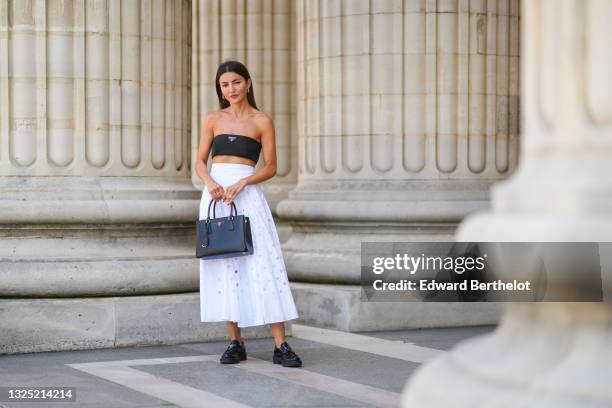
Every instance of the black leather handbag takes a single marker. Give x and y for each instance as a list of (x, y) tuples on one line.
[(223, 237)]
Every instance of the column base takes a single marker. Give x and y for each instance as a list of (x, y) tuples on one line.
[(97, 260), (542, 355), (37, 325), (330, 220), (82, 237), (331, 252), (341, 307)]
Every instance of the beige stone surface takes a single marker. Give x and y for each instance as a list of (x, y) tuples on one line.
[(36, 325), (341, 307), (407, 113), (546, 354), (96, 197)]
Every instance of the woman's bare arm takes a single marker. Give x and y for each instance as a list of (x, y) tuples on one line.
[(206, 137), (268, 142)]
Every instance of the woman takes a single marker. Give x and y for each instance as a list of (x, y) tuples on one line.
[(249, 290)]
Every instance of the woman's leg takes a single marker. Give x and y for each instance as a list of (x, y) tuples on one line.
[(234, 354), (278, 331), (283, 355), (233, 330)]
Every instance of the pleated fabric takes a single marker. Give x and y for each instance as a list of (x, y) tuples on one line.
[(250, 290)]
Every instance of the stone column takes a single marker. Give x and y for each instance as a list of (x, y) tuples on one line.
[(553, 354), (97, 209), (260, 34), (407, 112)]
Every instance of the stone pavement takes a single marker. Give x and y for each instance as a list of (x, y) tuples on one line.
[(339, 370)]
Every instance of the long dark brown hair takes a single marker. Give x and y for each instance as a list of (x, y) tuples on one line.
[(240, 69)]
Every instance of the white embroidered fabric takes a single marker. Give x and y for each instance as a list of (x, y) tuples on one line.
[(251, 290)]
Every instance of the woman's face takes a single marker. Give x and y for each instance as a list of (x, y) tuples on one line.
[(233, 86)]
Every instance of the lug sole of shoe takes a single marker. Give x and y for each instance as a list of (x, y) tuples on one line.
[(291, 364), (240, 358)]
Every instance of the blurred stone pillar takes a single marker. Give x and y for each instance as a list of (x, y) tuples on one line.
[(97, 208), (552, 354), (407, 112), (260, 34)]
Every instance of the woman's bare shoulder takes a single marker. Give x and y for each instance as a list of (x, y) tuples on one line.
[(214, 114), (211, 118), (263, 120)]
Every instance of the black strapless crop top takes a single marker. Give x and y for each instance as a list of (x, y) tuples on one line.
[(236, 145)]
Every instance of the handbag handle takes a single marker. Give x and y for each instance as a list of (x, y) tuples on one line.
[(233, 207), (208, 230)]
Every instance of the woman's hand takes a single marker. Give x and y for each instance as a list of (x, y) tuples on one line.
[(215, 190), (232, 191)]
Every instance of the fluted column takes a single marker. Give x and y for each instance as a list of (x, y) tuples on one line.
[(561, 192), (104, 93), (407, 112), (96, 197), (260, 34)]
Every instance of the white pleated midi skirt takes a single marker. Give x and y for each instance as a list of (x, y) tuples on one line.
[(250, 290)]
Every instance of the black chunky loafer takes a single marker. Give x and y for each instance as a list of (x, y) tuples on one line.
[(285, 356), (235, 353)]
